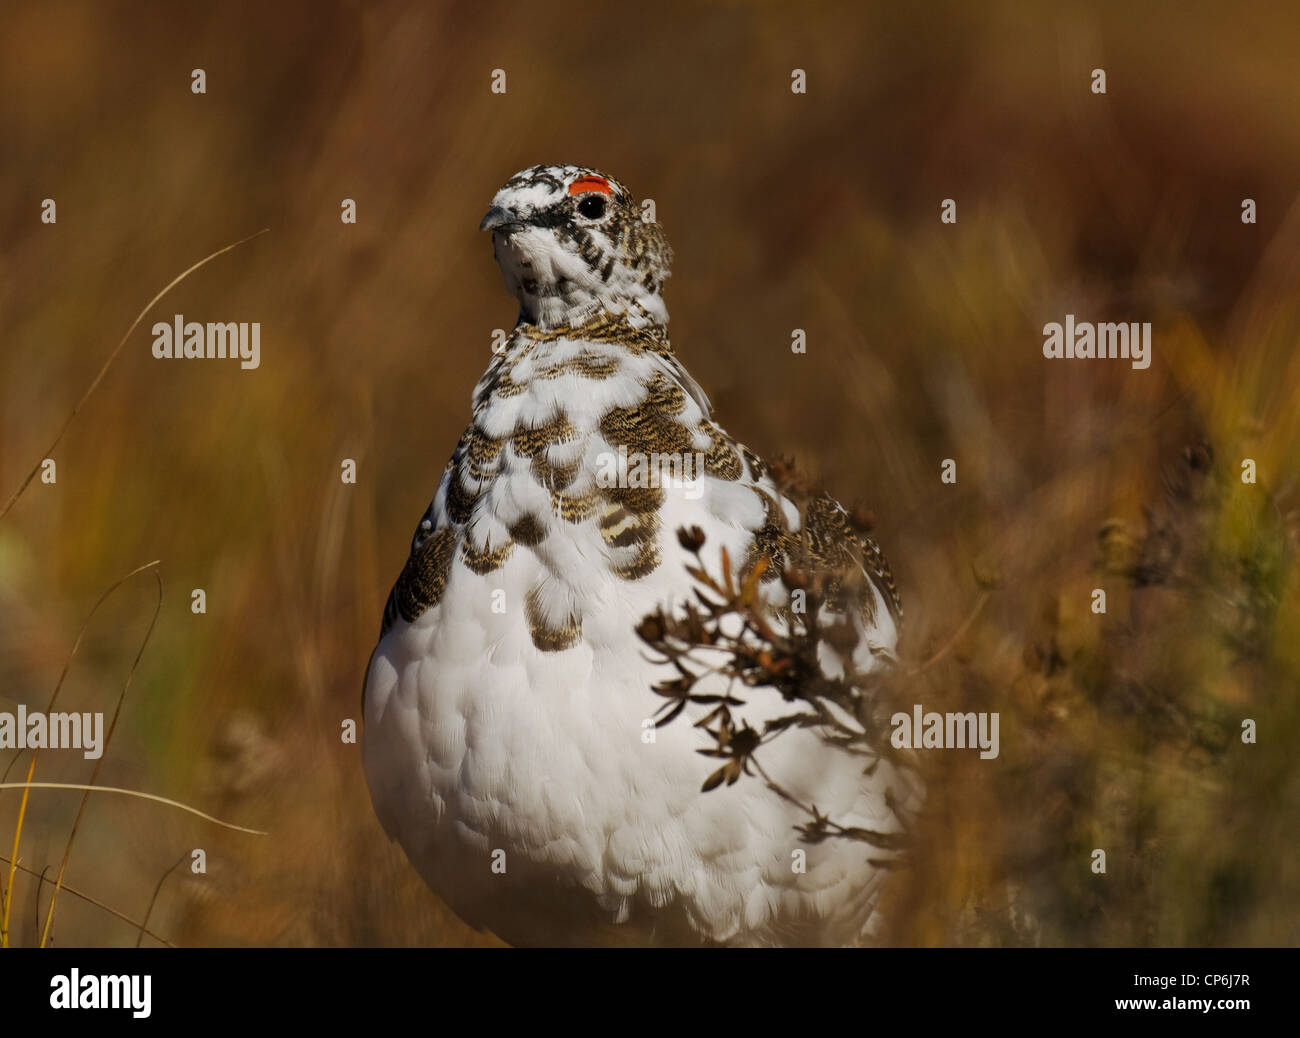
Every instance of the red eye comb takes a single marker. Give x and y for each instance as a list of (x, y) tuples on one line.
[(590, 183)]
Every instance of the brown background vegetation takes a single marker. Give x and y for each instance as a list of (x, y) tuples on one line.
[(818, 212)]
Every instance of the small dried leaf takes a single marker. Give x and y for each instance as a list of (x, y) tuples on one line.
[(672, 714), (714, 780)]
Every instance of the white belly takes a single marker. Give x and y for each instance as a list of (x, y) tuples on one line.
[(533, 795)]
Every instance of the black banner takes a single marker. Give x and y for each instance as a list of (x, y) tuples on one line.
[(1228, 988)]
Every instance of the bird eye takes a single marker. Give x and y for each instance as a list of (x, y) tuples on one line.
[(592, 207)]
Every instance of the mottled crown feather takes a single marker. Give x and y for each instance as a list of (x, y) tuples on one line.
[(572, 241)]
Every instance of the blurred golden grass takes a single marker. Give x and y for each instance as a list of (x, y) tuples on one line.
[(817, 212)]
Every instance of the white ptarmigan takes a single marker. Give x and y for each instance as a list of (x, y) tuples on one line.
[(507, 701)]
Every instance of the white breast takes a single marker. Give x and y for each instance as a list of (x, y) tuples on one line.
[(530, 788)]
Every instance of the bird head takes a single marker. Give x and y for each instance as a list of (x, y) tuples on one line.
[(571, 242)]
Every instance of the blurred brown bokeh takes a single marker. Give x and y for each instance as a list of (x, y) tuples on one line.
[(816, 211)]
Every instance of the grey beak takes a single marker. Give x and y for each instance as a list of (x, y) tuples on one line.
[(498, 219)]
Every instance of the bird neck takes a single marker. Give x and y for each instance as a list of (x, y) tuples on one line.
[(578, 309)]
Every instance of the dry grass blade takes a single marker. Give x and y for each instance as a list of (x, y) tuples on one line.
[(142, 926), (29, 785), (136, 793), (955, 637), (94, 775), (13, 498), (154, 900), (7, 895)]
